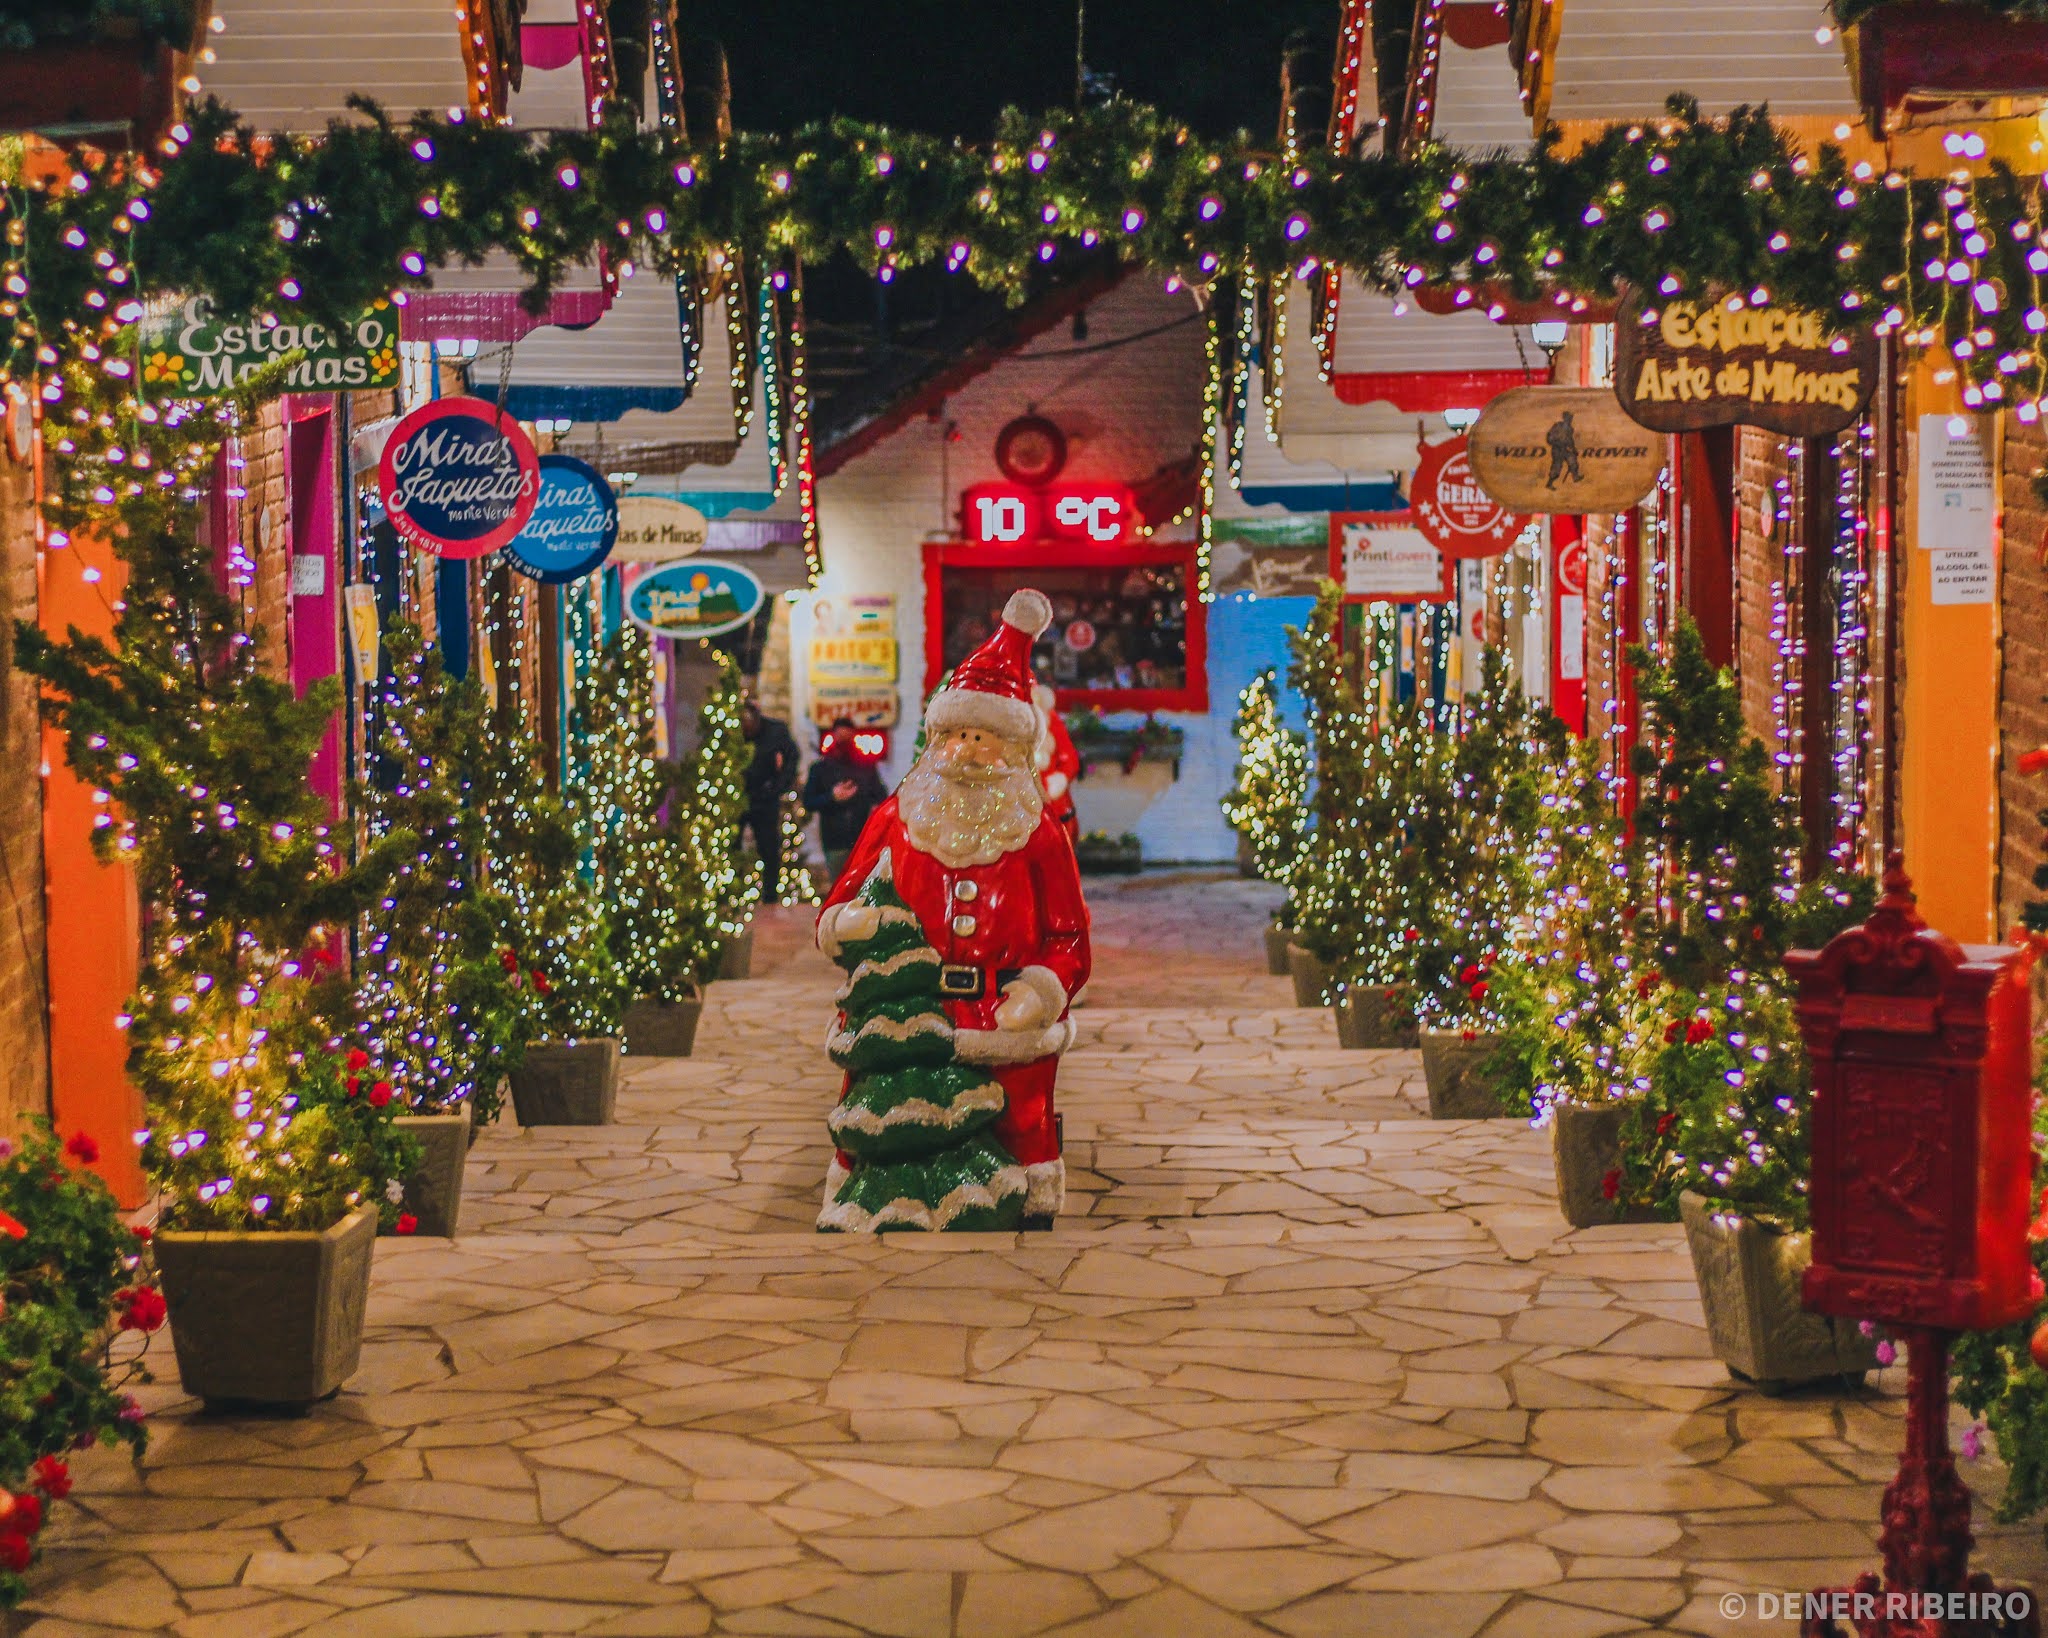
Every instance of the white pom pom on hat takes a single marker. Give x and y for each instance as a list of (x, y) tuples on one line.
[(1029, 610)]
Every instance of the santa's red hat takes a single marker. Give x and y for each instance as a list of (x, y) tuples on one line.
[(991, 688)]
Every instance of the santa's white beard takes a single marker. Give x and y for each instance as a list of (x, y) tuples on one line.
[(962, 823)]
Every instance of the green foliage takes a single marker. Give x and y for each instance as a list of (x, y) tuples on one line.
[(711, 799), (441, 1011), (1268, 800), (28, 23), (558, 937), (1743, 205), (72, 1277)]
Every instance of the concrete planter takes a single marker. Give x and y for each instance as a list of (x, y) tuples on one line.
[(433, 1193), (738, 959), (567, 1083), (1277, 940), (1455, 1068), (1372, 1015), (1749, 1285), (1312, 978), (662, 1029), (1585, 1142), (268, 1319)]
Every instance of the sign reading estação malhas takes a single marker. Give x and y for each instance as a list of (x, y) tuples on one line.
[(1683, 366), (188, 351)]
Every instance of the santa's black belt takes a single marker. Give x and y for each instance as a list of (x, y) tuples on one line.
[(961, 983)]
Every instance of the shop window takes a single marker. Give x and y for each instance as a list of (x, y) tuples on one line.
[(1127, 632)]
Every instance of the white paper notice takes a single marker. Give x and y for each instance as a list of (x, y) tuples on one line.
[(1958, 498), (1391, 562), (309, 575), (1962, 574)]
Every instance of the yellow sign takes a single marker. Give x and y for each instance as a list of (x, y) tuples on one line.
[(853, 660), (868, 707)]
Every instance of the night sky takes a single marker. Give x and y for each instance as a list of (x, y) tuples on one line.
[(950, 66)]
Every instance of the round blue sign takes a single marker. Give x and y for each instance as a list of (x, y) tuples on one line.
[(572, 529), (694, 598)]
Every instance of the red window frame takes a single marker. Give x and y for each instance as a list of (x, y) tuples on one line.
[(940, 555)]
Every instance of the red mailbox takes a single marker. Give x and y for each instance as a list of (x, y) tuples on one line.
[(1922, 1155)]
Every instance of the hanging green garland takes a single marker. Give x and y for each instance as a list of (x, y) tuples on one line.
[(303, 228)]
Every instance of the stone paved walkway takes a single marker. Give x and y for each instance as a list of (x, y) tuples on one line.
[(1297, 1361)]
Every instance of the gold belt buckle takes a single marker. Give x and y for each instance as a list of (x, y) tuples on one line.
[(962, 983)]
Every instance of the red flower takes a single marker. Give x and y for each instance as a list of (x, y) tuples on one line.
[(81, 1147), (52, 1476), (12, 1227), (1412, 934), (352, 1085), (15, 1551), (1700, 1029), (1646, 984), (1478, 991), (358, 1059), (1468, 1035), (1666, 1121), (540, 981), (142, 1308), (28, 1511), (143, 1232), (1470, 975), (380, 1094), (1610, 1185), (509, 961), (406, 1224), (1673, 1030)]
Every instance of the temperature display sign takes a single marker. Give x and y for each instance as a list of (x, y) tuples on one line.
[(1009, 514)]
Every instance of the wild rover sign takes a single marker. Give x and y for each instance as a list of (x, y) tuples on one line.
[(189, 352)]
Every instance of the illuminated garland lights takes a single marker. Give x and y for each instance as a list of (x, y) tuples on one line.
[(1678, 206), (1267, 803)]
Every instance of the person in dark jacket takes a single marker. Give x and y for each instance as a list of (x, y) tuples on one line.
[(842, 791), (770, 776)]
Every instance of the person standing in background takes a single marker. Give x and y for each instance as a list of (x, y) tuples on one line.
[(771, 775), (842, 790)]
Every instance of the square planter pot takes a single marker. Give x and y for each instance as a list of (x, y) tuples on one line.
[(1749, 1285), (662, 1029), (1311, 978), (1371, 1015), (1277, 940), (1585, 1143), (1455, 1068), (268, 1319), (567, 1083), (738, 958), (433, 1193)]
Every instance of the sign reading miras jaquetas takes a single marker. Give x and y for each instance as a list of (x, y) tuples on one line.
[(1688, 365)]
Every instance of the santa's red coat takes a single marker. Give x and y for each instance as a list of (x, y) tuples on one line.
[(1023, 909), (1065, 760)]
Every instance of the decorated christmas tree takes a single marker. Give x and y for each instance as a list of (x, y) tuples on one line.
[(710, 801), (1268, 800), (799, 886), (439, 1010), (914, 1120)]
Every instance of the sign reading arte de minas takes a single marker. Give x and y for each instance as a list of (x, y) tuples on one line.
[(1685, 366)]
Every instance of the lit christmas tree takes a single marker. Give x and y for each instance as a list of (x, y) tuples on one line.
[(799, 886), (711, 799), (440, 1011), (914, 1120), (1268, 801)]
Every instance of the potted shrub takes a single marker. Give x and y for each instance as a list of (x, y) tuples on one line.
[(1100, 854), (73, 1278), (1718, 1136), (657, 829), (1267, 804), (440, 1006)]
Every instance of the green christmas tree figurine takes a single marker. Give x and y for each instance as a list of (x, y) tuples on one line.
[(914, 1120)]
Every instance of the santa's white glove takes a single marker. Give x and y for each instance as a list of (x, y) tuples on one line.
[(1056, 785), (1033, 1000), (845, 924)]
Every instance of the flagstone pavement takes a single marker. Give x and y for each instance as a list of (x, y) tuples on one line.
[(1297, 1361)]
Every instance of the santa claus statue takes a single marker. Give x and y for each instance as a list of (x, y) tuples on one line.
[(1000, 947), (1057, 762)]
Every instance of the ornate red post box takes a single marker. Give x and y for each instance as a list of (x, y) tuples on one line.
[(1922, 1121), (1922, 1176)]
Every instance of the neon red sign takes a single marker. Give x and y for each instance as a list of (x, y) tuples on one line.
[(1006, 514)]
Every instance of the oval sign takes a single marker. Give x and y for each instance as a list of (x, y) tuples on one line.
[(694, 599), (1455, 514), (656, 529), (1563, 449), (458, 478), (572, 529)]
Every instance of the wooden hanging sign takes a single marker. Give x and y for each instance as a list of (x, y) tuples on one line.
[(1687, 365), (1563, 449)]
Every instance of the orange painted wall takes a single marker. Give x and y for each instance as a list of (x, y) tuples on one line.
[(94, 932)]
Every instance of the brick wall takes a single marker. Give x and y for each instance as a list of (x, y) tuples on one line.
[(2023, 675), (25, 1064), (1761, 466)]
